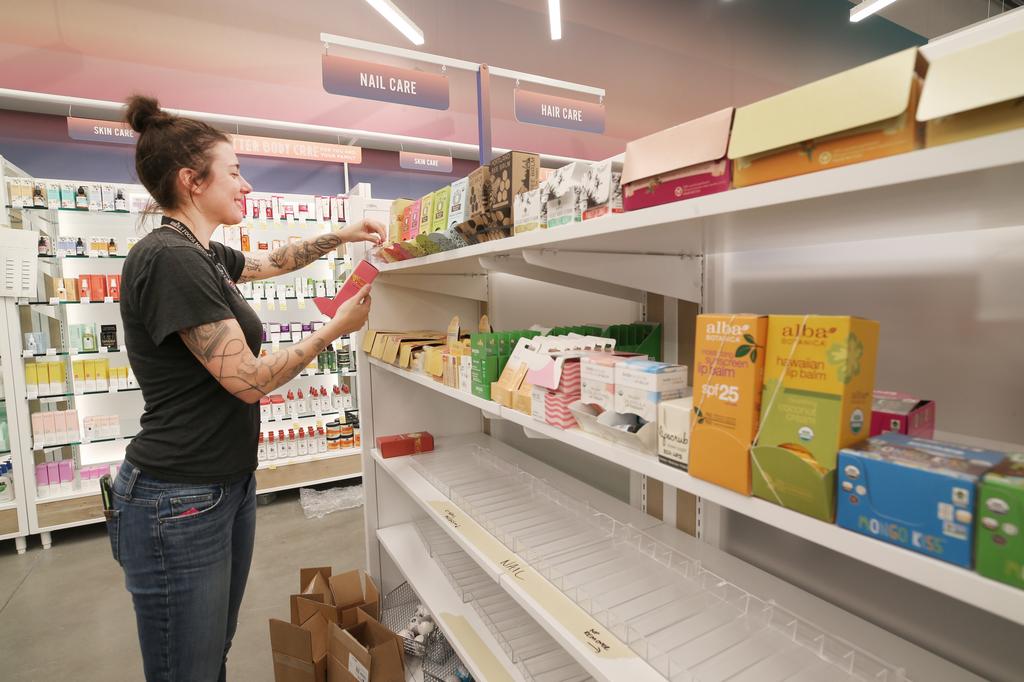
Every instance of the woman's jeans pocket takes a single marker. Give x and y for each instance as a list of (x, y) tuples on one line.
[(113, 517)]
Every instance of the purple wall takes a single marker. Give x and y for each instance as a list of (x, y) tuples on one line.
[(39, 144)]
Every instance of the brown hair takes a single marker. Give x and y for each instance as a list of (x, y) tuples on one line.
[(168, 143)]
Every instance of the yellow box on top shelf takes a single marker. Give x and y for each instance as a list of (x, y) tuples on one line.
[(973, 91), (865, 113)]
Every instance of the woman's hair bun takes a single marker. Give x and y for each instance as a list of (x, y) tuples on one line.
[(142, 112)]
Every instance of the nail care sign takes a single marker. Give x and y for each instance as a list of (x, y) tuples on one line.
[(435, 163), (558, 112), (384, 83)]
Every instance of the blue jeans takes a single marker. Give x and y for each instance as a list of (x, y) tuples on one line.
[(185, 550)]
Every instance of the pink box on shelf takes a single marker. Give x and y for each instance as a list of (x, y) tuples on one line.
[(53, 473), (42, 478), (682, 162), (902, 413)]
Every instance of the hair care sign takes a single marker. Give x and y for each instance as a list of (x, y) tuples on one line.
[(559, 112), (435, 163), (252, 145), (95, 130), (384, 83)]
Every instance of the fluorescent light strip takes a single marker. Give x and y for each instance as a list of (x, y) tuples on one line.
[(868, 7), (389, 11), (555, 17)]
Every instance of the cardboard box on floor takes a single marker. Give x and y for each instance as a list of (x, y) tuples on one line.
[(346, 592), (364, 652), (300, 651)]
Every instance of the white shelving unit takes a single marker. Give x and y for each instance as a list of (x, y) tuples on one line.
[(965, 188), (56, 511), (478, 651), (14, 522), (959, 583)]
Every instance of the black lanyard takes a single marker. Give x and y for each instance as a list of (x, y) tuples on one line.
[(185, 232)]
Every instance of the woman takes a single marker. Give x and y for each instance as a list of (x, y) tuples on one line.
[(183, 518)]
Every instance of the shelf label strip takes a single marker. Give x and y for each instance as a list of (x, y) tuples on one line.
[(588, 631), (483, 658)]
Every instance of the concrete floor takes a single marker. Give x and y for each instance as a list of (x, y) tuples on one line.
[(65, 615)]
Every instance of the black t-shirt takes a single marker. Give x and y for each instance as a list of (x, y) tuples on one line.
[(193, 430)]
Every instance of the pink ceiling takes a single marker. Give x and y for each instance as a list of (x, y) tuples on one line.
[(661, 62)]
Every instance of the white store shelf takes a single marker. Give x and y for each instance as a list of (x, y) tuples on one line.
[(487, 406), (555, 613), (288, 461), (483, 658), (73, 495), (977, 180), (950, 580), (13, 504)]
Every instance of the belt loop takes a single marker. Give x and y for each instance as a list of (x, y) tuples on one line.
[(131, 483)]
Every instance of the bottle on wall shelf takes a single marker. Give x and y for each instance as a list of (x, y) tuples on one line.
[(79, 247), (6, 481), (112, 247)]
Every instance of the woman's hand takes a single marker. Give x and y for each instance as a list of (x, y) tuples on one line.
[(366, 230), (351, 315)]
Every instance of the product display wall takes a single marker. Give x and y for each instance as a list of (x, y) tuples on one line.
[(83, 403)]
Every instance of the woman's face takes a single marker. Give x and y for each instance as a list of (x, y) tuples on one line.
[(220, 196)]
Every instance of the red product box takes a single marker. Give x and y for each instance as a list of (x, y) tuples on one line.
[(682, 162), (83, 288), (97, 287), (405, 444), (902, 413), (363, 274)]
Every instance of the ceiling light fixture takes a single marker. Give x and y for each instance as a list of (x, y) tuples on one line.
[(868, 7), (555, 17), (389, 11)]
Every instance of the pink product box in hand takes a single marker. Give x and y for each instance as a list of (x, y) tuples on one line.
[(682, 162), (364, 273)]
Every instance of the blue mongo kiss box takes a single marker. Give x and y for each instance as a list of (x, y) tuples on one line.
[(916, 493)]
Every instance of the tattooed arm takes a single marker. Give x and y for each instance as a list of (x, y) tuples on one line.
[(299, 254), (221, 348), (289, 257)]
